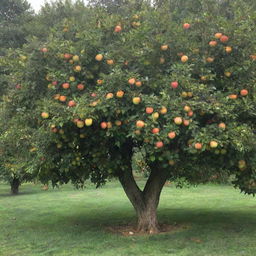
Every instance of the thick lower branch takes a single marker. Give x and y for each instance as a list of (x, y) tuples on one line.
[(144, 202)]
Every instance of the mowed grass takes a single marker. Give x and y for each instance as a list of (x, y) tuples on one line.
[(217, 221)]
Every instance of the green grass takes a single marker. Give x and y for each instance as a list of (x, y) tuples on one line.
[(220, 222)]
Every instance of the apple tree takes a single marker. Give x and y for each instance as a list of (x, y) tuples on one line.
[(180, 91)]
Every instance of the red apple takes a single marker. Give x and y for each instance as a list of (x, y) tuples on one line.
[(71, 103), (80, 87), (104, 125), (174, 84), (213, 43), (65, 85), (224, 39), (140, 124), (155, 130), (171, 135), (149, 110), (159, 144), (198, 145), (186, 25), (244, 92), (118, 29)]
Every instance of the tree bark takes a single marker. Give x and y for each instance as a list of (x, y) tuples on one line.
[(145, 202), (15, 183)]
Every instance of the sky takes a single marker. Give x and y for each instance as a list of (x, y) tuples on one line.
[(36, 4)]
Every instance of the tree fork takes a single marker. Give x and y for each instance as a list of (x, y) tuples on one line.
[(145, 202)]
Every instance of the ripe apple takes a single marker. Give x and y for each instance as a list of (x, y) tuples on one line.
[(178, 120), (228, 49), (210, 59), (198, 145), (75, 58), (99, 57), (155, 115), (155, 130), (109, 125), (56, 96), (186, 122), (190, 113), (186, 25), (65, 85), (80, 124), (72, 78), (159, 144), (18, 86), (184, 95), (132, 81), (171, 135), (136, 100), (80, 87), (253, 56), (71, 61), (222, 126), (62, 98), (184, 58), (118, 123), (174, 84), (110, 62), (190, 94), (138, 83), (187, 108), (99, 82), (218, 35), (149, 110), (140, 124), (120, 94), (88, 121), (118, 29), (164, 47), (71, 103), (44, 50), (244, 92), (232, 96), (77, 68), (44, 115), (93, 94), (213, 144), (110, 95), (163, 110), (213, 43), (103, 125), (67, 56), (54, 83), (224, 39)]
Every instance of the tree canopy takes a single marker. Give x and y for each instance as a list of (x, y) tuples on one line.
[(105, 85)]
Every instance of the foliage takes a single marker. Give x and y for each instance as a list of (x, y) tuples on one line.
[(14, 14), (84, 93)]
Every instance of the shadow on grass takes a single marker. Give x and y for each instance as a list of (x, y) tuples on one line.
[(209, 221)]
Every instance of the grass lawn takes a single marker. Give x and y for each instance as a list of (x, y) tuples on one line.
[(218, 221)]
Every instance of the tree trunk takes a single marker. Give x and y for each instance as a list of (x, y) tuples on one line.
[(145, 202), (15, 183)]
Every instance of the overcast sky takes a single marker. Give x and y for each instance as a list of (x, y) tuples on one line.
[(36, 4)]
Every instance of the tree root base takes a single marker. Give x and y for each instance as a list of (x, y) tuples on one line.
[(131, 230)]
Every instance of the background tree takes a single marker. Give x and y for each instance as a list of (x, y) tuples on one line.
[(182, 91), (14, 14)]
